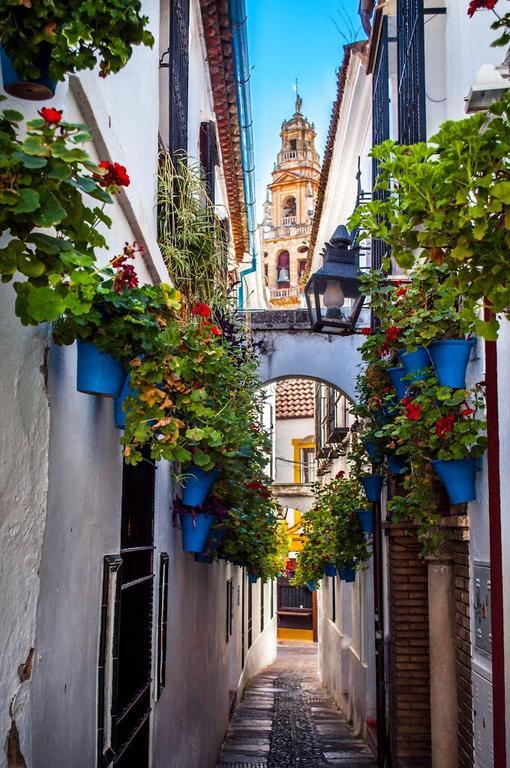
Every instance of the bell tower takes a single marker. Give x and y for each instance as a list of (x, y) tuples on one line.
[(289, 209)]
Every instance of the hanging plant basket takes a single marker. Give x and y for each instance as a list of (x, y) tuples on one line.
[(366, 520), (348, 574), (459, 479), (415, 363), (41, 89), (396, 377), (372, 449), (450, 359), (118, 408), (372, 485), (197, 485), (195, 528), (98, 373), (330, 570), (396, 465), (252, 578)]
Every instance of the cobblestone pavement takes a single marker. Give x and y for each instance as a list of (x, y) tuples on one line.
[(288, 720)]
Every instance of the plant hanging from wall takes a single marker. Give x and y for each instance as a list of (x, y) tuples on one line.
[(191, 237), (52, 233), (65, 37), (448, 203)]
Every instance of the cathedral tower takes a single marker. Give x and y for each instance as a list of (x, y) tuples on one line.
[(288, 211)]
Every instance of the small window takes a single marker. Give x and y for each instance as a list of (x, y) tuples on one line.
[(282, 269), (293, 144), (289, 208), (307, 465)]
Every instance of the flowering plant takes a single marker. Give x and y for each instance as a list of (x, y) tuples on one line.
[(448, 205), (72, 35), (53, 234), (332, 530), (123, 319)]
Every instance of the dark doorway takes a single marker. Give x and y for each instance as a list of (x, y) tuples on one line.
[(296, 614)]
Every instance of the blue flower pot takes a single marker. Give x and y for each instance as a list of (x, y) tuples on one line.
[(118, 408), (372, 485), (348, 574), (372, 450), (366, 520), (206, 559), (459, 479), (396, 377), (396, 465), (197, 485), (98, 373), (415, 363), (450, 358), (311, 586), (34, 90), (330, 570), (252, 578), (195, 530)]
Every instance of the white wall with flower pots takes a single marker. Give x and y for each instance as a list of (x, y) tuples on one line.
[(60, 495)]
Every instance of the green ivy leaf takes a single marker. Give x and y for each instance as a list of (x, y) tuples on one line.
[(501, 190), (35, 145), (30, 161), (44, 304), (195, 433), (51, 212)]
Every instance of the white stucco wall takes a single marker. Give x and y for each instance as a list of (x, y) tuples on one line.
[(288, 430)]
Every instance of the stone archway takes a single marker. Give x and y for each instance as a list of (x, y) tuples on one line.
[(290, 350)]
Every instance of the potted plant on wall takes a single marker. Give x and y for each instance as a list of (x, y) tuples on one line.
[(52, 233), (123, 321), (43, 41)]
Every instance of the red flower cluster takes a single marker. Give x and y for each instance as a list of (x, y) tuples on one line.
[(392, 335), (260, 488), (201, 310), (444, 425), (366, 331), (412, 409), (467, 411), (126, 277), (51, 115), (476, 5), (215, 330), (401, 291), (340, 474), (115, 176)]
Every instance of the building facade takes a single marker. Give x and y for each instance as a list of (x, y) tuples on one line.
[(289, 210), (116, 646)]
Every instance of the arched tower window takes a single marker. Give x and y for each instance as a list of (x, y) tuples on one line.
[(282, 270), (289, 211)]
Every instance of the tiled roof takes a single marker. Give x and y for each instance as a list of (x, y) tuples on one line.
[(295, 399)]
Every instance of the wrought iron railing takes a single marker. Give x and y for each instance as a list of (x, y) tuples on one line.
[(411, 71)]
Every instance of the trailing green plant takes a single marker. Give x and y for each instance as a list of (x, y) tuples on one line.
[(191, 237), (71, 36), (52, 233), (332, 530), (448, 202)]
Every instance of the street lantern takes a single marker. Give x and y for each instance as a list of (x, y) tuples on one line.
[(332, 293)]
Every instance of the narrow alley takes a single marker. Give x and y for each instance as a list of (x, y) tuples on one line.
[(288, 719)]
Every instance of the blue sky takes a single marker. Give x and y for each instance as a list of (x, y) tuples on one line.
[(289, 39)]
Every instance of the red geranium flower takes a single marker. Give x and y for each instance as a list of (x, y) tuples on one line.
[(340, 474), (476, 5), (115, 176), (366, 331), (444, 425), (413, 411), (202, 310), (392, 334), (215, 330), (467, 411), (51, 115), (401, 291), (126, 276)]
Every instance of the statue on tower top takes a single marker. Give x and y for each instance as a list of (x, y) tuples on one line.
[(299, 100)]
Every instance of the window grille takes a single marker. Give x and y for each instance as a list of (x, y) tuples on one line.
[(380, 128), (411, 71), (179, 76), (209, 157), (230, 608), (162, 621)]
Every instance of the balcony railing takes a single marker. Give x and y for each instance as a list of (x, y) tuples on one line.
[(290, 155), (285, 293), (288, 221), (287, 231)]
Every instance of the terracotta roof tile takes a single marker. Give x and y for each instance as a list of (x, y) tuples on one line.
[(295, 399)]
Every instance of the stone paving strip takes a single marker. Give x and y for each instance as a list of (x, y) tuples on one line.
[(287, 719)]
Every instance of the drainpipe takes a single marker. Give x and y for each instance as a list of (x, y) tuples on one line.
[(497, 614), (237, 14)]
